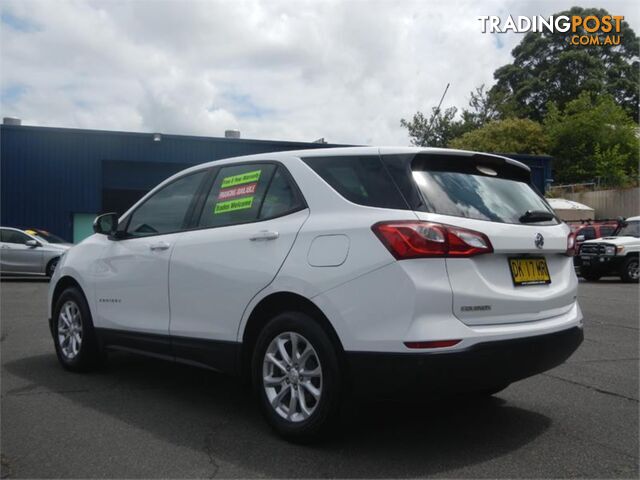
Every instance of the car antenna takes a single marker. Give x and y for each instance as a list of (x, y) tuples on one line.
[(437, 110)]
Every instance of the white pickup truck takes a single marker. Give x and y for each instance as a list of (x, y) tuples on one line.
[(615, 255)]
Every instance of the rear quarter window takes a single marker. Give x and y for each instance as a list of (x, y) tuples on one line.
[(360, 179)]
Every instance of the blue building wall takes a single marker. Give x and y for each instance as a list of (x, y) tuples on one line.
[(49, 174), (540, 165)]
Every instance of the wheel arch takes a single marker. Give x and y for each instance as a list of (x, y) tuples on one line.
[(273, 304), (64, 283)]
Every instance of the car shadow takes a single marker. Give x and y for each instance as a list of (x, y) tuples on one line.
[(197, 409)]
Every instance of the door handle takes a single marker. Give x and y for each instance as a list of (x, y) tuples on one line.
[(159, 246), (264, 235)]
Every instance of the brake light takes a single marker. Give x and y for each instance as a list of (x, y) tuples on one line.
[(415, 239), (432, 344), (571, 245)]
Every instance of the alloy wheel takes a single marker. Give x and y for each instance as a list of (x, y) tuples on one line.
[(292, 376), (633, 270), (69, 330), (52, 267)]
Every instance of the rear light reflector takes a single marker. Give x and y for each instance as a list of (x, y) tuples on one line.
[(415, 239), (433, 344)]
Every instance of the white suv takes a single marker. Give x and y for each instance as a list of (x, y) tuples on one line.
[(332, 271)]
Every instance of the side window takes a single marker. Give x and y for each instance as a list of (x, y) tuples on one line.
[(11, 236), (589, 233), (236, 195), (165, 211), (359, 179), (281, 197)]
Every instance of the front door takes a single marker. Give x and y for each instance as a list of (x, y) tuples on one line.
[(18, 257), (132, 294)]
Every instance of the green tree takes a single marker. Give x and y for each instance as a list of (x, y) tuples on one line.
[(482, 109), (610, 165), (547, 68), (512, 135), (436, 131), (442, 126), (592, 138)]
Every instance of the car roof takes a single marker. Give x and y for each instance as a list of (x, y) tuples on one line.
[(633, 219), (346, 151)]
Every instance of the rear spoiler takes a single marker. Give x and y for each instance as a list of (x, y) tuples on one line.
[(459, 162)]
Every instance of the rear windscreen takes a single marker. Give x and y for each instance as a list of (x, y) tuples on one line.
[(481, 189)]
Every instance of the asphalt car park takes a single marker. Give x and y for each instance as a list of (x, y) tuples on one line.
[(139, 417)]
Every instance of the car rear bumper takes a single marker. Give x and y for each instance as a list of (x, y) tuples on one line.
[(481, 366)]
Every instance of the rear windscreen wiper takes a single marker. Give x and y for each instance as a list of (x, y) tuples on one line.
[(532, 216)]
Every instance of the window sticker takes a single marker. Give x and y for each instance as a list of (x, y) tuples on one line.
[(236, 192), (239, 191), (249, 177), (233, 205)]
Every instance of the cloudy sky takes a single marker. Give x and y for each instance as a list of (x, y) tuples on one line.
[(291, 70)]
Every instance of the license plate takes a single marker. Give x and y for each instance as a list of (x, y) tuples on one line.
[(585, 260), (529, 271)]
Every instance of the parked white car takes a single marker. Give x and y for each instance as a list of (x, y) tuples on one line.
[(30, 252), (613, 255), (328, 271)]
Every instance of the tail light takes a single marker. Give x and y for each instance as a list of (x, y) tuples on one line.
[(415, 239), (571, 245)]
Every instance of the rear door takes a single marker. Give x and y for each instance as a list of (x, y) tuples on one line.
[(244, 229), (528, 276)]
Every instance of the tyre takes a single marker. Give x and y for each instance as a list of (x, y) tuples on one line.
[(296, 376), (51, 266), (74, 337), (589, 275), (629, 272)]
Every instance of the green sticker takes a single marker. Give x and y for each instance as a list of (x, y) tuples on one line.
[(240, 179), (231, 205)]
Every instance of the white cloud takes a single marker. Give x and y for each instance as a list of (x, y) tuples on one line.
[(295, 70)]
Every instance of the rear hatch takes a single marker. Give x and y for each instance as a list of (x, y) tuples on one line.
[(528, 276)]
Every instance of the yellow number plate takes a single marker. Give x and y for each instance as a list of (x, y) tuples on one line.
[(529, 271)]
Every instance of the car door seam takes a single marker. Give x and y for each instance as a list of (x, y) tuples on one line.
[(295, 239)]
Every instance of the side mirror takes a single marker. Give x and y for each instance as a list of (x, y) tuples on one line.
[(580, 238), (106, 224), (32, 243)]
